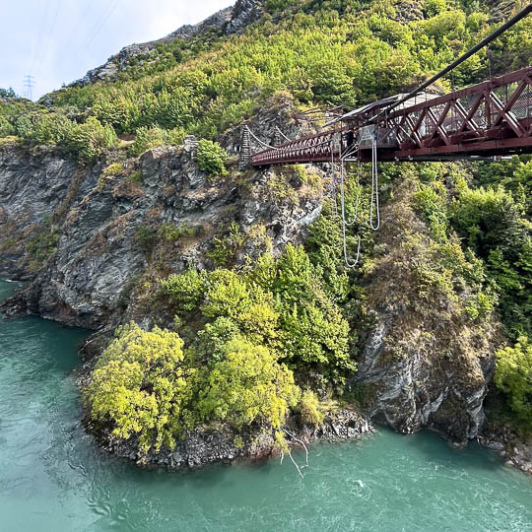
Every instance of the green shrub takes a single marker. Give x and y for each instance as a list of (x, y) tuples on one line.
[(113, 170), (513, 375), (170, 232), (211, 158), (24, 127), (279, 303), (434, 7), (141, 387), (186, 290), (248, 386), (147, 139), (6, 128), (146, 238), (226, 247), (247, 304), (88, 140), (54, 129), (310, 409)]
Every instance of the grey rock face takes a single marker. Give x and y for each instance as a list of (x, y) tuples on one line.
[(415, 391), (98, 253), (424, 363), (33, 186)]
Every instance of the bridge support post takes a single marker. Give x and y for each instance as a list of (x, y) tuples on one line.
[(245, 150)]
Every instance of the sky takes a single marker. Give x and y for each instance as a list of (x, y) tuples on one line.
[(58, 41)]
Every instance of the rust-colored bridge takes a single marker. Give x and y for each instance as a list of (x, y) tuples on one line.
[(488, 119)]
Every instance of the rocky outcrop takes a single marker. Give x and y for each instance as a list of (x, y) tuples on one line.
[(501, 10), (515, 450), (34, 185), (228, 21), (84, 278), (425, 363), (202, 447)]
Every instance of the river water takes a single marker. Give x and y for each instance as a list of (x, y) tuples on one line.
[(53, 478)]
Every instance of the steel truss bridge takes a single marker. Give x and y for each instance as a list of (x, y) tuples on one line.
[(489, 119)]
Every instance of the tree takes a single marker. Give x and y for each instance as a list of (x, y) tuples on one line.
[(211, 158), (513, 375), (248, 386), (141, 386)]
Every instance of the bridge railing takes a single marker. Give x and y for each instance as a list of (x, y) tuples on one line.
[(492, 117), (316, 148), (499, 109)]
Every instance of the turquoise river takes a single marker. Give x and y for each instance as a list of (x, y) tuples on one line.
[(53, 478)]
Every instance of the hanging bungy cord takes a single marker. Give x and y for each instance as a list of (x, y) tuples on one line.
[(374, 212), (342, 185), (282, 134), (348, 262), (333, 181)]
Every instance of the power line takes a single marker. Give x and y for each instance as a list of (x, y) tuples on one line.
[(100, 23), (482, 44), (44, 50)]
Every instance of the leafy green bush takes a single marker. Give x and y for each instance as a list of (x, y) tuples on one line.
[(187, 289), (113, 170), (310, 409), (141, 386), (226, 247), (146, 238), (88, 140), (248, 386), (278, 303), (211, 158), (513, 375), (487, 218), (54, 129), (145, 387), (147, 139), (6, 128)]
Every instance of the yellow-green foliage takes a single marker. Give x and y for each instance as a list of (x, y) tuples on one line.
[(140, 386), (513, 375), (226, 247), (10, 141), (248, 386), (339, 53), (187, 289), (278, 303), (146, 139), (113, 170), (310, 409), (149, 138), (280, 190), (145, 386), (247, 304), (88, 140)]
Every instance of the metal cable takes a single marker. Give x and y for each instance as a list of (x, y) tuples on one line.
[(482, 44), (348, 262), (374, 211), (282, 134)]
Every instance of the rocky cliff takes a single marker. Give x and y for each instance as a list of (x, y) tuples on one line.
[(426, 363), (77, 232), (422, 365)]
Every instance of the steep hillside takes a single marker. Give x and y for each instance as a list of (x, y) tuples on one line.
[(227, 324)]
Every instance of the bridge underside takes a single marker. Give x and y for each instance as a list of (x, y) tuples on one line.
[(491, 119)]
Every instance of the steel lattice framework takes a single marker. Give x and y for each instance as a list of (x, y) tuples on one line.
[(488, 119)]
